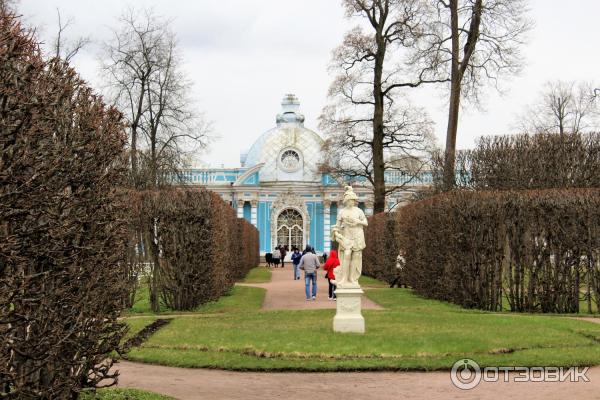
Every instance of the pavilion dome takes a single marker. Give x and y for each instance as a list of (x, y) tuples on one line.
[(289, 152)]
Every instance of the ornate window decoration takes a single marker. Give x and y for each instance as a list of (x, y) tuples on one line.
[(290, 229), (290, 160), (292, 209)]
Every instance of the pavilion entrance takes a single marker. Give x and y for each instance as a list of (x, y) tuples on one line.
[(290, 230)]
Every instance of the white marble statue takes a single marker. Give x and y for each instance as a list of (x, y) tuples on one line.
[(348, 232)]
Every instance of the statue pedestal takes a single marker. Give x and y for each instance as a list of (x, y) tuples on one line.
[(348, 317)]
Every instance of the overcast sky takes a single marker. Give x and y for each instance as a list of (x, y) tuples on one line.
[(244, 55)]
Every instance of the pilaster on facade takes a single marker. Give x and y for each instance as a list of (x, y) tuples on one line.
[(254, 212), (240, 208), (327, 225)]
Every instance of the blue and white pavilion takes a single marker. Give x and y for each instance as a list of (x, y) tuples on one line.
[(279, 187)]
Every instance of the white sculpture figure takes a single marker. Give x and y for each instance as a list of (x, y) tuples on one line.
[(348, 232)]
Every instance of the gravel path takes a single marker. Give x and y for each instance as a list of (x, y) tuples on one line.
[(183, 383), (285, 293)]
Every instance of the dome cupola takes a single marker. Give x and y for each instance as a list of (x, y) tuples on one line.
[(290, 114)]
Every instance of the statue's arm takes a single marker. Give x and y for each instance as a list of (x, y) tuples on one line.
[(362, 220)]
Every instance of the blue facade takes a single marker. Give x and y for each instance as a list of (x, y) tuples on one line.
[(317, 223), (333, 215), (264, 225), (247, 212)]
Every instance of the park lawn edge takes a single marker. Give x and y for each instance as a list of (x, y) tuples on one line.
[(233, 358)]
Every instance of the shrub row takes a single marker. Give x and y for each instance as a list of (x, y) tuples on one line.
[(539, 161), (63, 230), (379, 259), (197, 244), (533, 249)]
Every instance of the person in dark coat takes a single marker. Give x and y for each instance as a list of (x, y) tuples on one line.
[(283, 252), (296, 256)]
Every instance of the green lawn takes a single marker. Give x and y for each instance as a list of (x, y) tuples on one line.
[(123, 394), (258, 275), (141, 306), (368, 282), (411, 333)]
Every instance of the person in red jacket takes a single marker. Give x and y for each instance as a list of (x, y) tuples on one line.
[(332, 262)]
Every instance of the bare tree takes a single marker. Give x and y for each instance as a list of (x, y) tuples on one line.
[(144, 76), (63, 48), (367, 125), (469, 43), (563, 107), (407, 137), (8, 5)]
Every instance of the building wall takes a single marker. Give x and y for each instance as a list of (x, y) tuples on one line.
[(264, 225), (247, 211), (316, 234)]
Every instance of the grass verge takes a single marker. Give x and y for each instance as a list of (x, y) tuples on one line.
[(259, 274), (412, 333)]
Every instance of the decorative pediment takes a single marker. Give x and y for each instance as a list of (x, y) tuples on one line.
[(249, 177)]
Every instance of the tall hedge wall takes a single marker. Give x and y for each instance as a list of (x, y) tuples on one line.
[(379, 258), (198, 243), (532, 249), (63, 229), (539, 161)]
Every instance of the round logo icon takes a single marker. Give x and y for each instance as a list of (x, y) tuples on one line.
[(465, 374)]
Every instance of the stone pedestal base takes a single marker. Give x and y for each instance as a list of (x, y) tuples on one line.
[(348, 317)]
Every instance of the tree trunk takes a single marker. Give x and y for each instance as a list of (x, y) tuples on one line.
[(378, 129), (134, 170), (455, 86)]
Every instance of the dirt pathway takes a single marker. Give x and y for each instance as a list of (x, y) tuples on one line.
[(183, 383), (285, 293)]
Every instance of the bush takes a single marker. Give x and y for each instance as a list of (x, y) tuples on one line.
[(540, 161), (63, 230), (536, 247), (382, 249), (197, 242)]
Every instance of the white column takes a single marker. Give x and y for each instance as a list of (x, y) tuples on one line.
[(254, 212), (240, 208), (327, 225), (368, 208)]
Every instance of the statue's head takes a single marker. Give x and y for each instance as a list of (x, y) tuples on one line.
[(350, 198)]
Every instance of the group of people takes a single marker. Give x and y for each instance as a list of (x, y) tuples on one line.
[(277, 257), (309, 262)]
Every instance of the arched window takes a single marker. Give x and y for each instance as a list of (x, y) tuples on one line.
[(290, 229)]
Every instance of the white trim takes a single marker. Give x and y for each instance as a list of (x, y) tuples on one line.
[(247, 174)]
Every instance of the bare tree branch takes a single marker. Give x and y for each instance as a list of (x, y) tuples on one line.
[(63, 48), (564, 108)]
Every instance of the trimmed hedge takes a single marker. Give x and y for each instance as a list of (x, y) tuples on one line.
[(200, 246), (533, 249), (63, 225), (538, 161), (379, 258)]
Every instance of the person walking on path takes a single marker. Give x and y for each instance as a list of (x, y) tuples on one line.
[(331, 263), (296, 256), (283, 253), (276, 257), (309, 263)]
